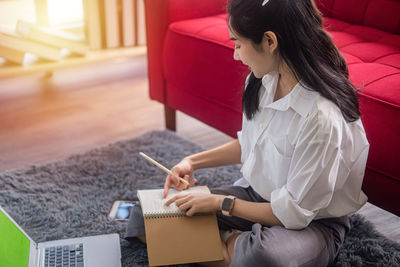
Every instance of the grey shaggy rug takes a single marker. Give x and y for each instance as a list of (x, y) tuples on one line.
[(72, 197)]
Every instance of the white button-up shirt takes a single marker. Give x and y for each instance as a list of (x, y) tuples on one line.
[(300, 154)]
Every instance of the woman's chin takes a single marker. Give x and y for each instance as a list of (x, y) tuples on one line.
[(257, 75)]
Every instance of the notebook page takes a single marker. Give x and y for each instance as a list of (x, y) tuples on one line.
[(153, 203)]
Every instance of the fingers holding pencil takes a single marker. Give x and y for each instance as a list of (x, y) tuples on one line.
[(172, 180), (182, 169)]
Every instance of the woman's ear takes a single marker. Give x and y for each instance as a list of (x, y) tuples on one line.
[(270, 42)]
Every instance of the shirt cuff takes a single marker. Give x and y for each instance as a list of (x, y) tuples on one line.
[(286, 209)]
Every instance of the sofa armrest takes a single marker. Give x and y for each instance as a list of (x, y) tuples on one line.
[(161, 13)]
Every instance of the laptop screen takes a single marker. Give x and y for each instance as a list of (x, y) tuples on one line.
[(14, 245)]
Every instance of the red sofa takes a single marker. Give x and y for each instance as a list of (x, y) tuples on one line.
[(191, 69)]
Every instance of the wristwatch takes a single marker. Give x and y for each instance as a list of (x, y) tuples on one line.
[(227, 205)]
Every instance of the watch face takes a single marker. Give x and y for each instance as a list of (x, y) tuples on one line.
[(227, 204)]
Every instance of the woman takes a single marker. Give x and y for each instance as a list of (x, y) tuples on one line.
[(302, 145)]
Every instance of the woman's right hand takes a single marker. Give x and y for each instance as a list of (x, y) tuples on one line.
[(183, 169)]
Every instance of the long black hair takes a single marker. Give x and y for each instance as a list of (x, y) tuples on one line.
[(303, 45)]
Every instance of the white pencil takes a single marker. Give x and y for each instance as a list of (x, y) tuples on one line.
[(162, 167)]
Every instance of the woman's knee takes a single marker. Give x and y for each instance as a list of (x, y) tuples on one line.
[(261, 258), (276, 246), (252, 250)]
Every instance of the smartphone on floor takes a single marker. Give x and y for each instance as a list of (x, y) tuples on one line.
[(121, 209)]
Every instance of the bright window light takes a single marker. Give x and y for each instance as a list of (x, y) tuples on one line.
[(65, 12)]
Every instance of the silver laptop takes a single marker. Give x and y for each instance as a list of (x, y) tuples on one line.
[(17, 249)]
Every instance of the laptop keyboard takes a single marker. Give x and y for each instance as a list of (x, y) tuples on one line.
[(64, 256)]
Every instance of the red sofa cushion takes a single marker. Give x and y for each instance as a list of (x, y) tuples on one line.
[(379, 14)]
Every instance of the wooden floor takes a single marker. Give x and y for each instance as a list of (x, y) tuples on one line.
[(46, 119), (43, 120)]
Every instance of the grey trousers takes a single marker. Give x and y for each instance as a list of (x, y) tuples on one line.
[(258, 245)]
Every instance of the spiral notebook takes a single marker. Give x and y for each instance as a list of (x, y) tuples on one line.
[(174, 238)]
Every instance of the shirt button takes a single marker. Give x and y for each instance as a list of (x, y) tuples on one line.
[(252, 150), (260, 125)]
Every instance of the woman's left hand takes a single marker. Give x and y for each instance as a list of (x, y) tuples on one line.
[(197, 203)]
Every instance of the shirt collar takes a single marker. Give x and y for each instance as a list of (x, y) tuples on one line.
[(269, 83), (300, 99)]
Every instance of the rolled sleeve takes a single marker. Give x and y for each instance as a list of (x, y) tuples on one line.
[(291, 215)]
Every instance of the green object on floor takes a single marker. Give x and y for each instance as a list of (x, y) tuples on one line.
[(14, 245)]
